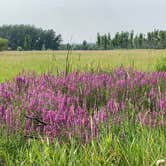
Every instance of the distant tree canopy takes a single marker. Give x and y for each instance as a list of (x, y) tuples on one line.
[(83, 46), (124, 40), (127, 40), (29, 37), (3, 44), (28, 42)]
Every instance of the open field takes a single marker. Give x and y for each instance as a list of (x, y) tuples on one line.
[(11, 63), (111, 118)]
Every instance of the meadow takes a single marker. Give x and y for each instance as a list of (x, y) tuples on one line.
[(106, 108), (11, 63)]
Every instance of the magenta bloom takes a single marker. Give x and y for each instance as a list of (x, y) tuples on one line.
[(80, 103)]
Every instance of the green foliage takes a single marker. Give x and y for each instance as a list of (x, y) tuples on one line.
[(3, 44), (16, 34), (120, 40), (11, 63), (127, 40), (19, 48), (161, 64), (138, 146), (84, 45), (104, 41), (27, 42), (98, 40)]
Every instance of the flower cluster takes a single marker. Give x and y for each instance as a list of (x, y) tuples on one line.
[(77, 104)]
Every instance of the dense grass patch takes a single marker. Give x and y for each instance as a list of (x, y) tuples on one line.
[(11, 63), (161, 64), (137, 146)]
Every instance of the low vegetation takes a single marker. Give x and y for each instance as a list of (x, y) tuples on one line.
[(12, 62), (161, 64), (88, 114), (3, 44)]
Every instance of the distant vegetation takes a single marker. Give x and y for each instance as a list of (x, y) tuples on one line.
[(29, 37), (124, 40), (3, 44), (128, 40), (161, 64)]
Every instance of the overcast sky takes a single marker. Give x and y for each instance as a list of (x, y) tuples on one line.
[(77, 20)]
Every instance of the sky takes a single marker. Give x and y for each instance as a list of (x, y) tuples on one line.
[(78, 20)]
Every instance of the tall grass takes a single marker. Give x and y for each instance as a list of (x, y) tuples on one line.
[(161, 64), (11, 63), (138, 146)]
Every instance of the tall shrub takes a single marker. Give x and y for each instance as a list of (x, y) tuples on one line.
[(3, 44)]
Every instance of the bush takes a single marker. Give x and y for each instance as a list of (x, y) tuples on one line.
[(19, 48), (3, 44), (161, 64)]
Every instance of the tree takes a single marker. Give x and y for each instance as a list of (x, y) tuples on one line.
[(98, 40), (3, 44), (102, 41), (141, 40), (162, 36), (16, 35), (84, 45), (116, 40), (109, 41), (132, 39), (28, 42), (105, 42), (127, 40)]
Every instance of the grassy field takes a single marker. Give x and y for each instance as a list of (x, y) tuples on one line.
[(136, 138), (11, 63)]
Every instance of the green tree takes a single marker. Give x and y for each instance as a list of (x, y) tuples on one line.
[(98, 40), (27, 43), (105, 42), (141, 40), (109, 41), (162, 36), (131, 39), (16, 36), (84, 45), (116, 40), (3, 44)]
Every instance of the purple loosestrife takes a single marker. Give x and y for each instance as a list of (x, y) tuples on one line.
[(78, 103)]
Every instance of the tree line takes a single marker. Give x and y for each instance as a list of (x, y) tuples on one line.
[(82, 46), (124, 40), (27, 37), (128, 40)]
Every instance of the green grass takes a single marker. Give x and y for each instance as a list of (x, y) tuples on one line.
[(11, 63), (140, 146)]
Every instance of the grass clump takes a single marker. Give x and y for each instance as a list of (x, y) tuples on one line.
[(161, 64)]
